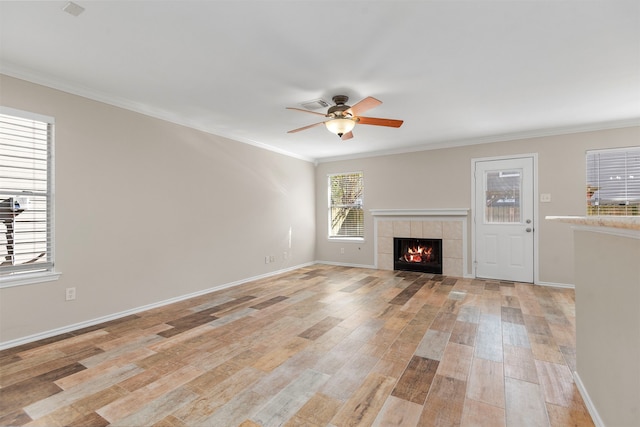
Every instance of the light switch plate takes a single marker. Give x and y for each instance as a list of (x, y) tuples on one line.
[(545, 197)]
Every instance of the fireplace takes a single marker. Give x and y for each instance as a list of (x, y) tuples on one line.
[(423, 255)]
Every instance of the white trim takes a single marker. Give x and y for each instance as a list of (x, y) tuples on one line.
[(595, 416), (70, 328), (140, 108), (370, 267), (39, 78), (539, 133), (536, 220), (49, 275), (420, 212), (346, 264), (611, 150), (52, 197), (557, 285), (358, 239), (28, 115), (29, 279), (346, 239)]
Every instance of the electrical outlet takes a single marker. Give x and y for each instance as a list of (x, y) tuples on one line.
[(272, 258), (341, 250), (266, 259), (70, 294), (284, 255)]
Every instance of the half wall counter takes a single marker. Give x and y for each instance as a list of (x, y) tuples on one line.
[(607, 286)]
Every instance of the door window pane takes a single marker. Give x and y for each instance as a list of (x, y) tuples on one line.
[(502, 194)]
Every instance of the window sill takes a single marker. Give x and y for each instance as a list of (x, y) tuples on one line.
[(29, 279), (346, 239)]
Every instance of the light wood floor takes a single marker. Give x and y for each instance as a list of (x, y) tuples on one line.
[(318, 346)]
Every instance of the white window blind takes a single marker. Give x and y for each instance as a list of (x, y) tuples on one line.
[(613, 181), (346, 216), (26, 146)]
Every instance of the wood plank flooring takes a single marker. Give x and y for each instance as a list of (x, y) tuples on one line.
[(319, 346)]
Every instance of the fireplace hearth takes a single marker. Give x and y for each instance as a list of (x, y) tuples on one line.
[(422, 255)]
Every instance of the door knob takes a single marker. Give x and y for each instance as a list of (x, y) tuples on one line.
[(528, 221), (528, 229)]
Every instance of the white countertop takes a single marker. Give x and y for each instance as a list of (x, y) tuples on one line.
[(624, 222)]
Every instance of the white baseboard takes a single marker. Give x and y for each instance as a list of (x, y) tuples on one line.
[(587, 401), (344, 264), (557, 285), (70, 328)]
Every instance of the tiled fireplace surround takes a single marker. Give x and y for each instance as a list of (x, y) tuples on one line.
[(450, 225)]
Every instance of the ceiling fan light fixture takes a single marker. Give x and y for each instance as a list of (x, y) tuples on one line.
[(340, 126)]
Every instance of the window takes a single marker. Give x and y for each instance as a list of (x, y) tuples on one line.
[(613, 182), (346, 216), (26, 148), (502, 194)]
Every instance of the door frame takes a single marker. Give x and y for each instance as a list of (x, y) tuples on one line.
[(536, 228)]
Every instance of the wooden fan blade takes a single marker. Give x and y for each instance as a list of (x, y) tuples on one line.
[(364, 105), (380, 122), (306, 127), (306, 111), (347, 135)]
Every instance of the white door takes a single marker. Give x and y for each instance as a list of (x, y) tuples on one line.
[(504, 208)]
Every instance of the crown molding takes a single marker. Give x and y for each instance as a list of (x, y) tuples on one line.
[(36, 77), (539, 133), (126, 104)]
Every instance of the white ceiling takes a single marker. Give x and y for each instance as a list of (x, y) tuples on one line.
[(456, 72)]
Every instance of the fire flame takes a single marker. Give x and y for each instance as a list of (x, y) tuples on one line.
[(419, 254)]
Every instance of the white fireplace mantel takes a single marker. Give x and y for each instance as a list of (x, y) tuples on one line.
[(420, 212)]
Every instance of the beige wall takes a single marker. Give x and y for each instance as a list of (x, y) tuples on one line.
[(147, 210), (442, 179)]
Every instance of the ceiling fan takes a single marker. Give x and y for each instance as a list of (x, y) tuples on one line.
[(343, 118)]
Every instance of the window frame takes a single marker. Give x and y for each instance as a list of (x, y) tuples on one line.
[(334, 238), (627, 204), (47, 272)]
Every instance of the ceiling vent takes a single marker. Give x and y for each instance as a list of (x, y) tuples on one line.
[(73, 9), (315, 104)]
